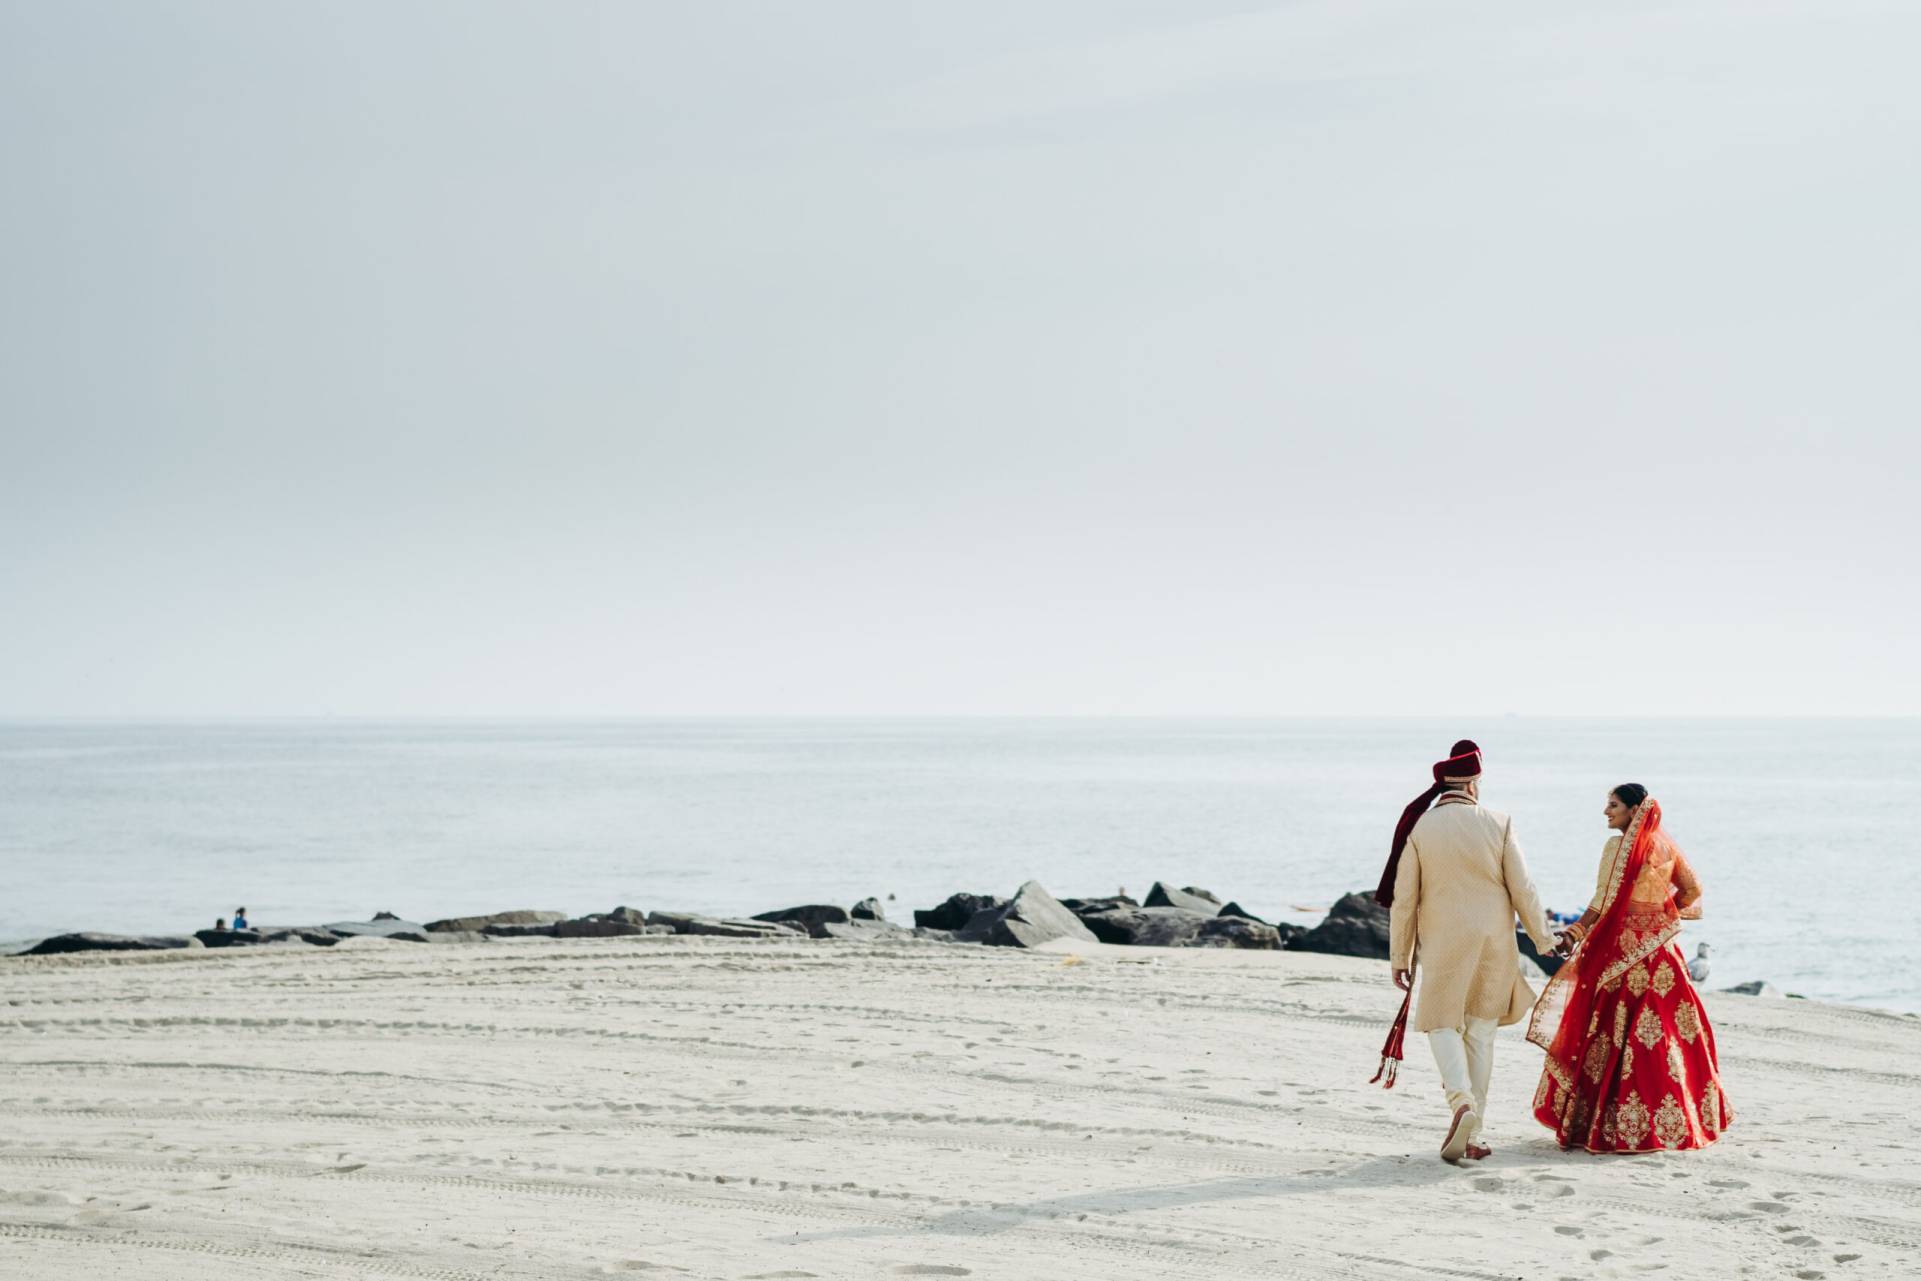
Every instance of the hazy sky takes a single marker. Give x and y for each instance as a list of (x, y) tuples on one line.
[(1085, 356)]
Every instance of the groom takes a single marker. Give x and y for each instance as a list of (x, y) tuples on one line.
[(1455, 883)]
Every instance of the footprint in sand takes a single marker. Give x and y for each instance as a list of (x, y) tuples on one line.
[(1768, 1207), (932, 1270), (778, 1276), (1567, 1230), (1598, 1255), (1727, 1183), (1488, 1185)]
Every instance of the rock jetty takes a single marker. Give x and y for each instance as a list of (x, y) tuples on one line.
[(1187, 916)]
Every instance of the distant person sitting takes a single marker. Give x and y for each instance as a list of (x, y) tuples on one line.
[(240, 918), (220, 923)]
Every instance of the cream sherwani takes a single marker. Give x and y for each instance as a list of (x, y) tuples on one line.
[(1461, 884)]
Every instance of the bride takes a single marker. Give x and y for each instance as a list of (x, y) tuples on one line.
[(1630, 1056)]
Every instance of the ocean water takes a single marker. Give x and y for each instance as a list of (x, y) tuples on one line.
[(1806, 833)]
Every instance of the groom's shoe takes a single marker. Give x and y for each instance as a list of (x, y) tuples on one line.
[(1454, 1147)]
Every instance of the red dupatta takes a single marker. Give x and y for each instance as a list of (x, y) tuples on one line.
[(1620, 938)]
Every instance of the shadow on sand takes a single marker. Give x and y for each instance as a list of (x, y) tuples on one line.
[(1378, 1172)]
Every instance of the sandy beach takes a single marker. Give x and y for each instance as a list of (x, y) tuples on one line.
[(687, 1107)]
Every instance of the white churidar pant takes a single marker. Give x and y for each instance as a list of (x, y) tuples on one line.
[(1465, 1056)]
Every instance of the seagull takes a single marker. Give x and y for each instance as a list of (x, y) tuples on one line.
[(1698, 967)]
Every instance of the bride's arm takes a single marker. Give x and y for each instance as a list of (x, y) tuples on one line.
[(1609, 853), (1687, 889)]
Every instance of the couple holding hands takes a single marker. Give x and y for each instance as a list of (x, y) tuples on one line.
[(1630, 1056)]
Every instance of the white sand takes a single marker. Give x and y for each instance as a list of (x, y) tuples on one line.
[(708, 1108)]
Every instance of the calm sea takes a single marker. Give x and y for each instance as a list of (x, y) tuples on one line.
[(1806, 833)]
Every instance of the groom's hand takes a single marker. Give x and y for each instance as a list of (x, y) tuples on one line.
[(1402, 979)]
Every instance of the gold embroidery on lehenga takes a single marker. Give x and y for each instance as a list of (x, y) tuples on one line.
[(1608, 1116), (1670, 1123), (1677, 1067), (1687, 1022), (1631, 1120), (1626, 1070), (1647, 1028), (1711, 1107), (1621, 1023), (1664, 978), (1596, 1061), (1638, 980), (1540, 1091)]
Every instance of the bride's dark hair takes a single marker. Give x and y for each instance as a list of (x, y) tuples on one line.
[(1630, 794)]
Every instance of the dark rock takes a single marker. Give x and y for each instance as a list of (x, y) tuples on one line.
[(88, 941), (631, 915), (298, 934), (507, 930), (388, 927), (934, 935), (227, 938), (1754, 987), (1146, 926), (1198, 892), (812, 917), (1235, 909), (1548, 964), (462, 936), (868, 909), (1288, 932), (1082, 906), (1030, 918), (595, 928), (385, 916), (493, 918), (956, 912), (1237, 931), (692, 923), (1162, 896), (1354, 926)]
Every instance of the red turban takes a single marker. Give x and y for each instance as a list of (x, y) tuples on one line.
[(1463, 762)]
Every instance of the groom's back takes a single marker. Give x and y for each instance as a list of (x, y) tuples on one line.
[(1463, 882), (1461, 840)]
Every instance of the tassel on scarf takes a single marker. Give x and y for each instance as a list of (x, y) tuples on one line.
[(1392, 1052)]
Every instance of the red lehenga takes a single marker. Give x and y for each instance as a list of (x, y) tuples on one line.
[(1631, 1065)]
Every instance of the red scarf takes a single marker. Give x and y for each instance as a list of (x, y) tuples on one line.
[(1395, 1050)]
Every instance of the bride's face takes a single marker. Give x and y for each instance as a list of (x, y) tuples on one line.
[(1617, 813)]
